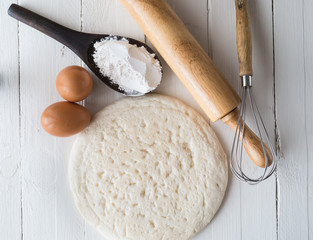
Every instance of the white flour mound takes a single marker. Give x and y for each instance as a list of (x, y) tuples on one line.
[(133, 68), (148, 168)]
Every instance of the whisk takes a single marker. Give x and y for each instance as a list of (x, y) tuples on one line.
[(244, 48)]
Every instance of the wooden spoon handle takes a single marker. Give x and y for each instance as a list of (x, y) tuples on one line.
[(244, 39), (251, 141)]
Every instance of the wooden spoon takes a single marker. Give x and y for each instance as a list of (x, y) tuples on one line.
[(80, 43)]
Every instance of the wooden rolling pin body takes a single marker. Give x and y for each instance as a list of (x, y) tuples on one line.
[(185, 56), (192, 65)]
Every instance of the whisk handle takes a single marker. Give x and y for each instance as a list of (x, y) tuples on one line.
[(244, 39), (251, 141)]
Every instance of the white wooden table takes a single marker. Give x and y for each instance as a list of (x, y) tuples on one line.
[(35, 200)]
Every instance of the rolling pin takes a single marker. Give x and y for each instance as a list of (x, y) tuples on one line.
[(192, 66)]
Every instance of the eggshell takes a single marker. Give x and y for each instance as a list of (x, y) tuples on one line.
[(74, 83), (63, 119)]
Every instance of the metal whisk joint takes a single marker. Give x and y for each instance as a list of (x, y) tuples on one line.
[(246, 80)]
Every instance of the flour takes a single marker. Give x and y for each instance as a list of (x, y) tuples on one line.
[(133, 68)]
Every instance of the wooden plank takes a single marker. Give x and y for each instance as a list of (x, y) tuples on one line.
[(293, 54), (243, 216), (48, 211), (208, 31), (258, 203), (10, 172), (107, 17), (308, 63), (222, 49), (195, 17)]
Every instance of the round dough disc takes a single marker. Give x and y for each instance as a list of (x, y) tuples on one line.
[(148, 168)]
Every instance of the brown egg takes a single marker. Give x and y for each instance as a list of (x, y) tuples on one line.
[(63, 119), (74, 83)]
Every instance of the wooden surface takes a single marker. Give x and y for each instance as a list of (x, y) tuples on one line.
[(35, 202)]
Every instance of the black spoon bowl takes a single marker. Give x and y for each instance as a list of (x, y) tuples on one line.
[(82, 44)]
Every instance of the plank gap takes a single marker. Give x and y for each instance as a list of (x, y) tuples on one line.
[(20, 123), (276, 132), (305, 112)]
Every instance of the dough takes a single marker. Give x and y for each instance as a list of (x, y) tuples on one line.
[(148, 168)]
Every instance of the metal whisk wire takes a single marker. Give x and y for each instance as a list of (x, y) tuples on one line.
[(237, 147)]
